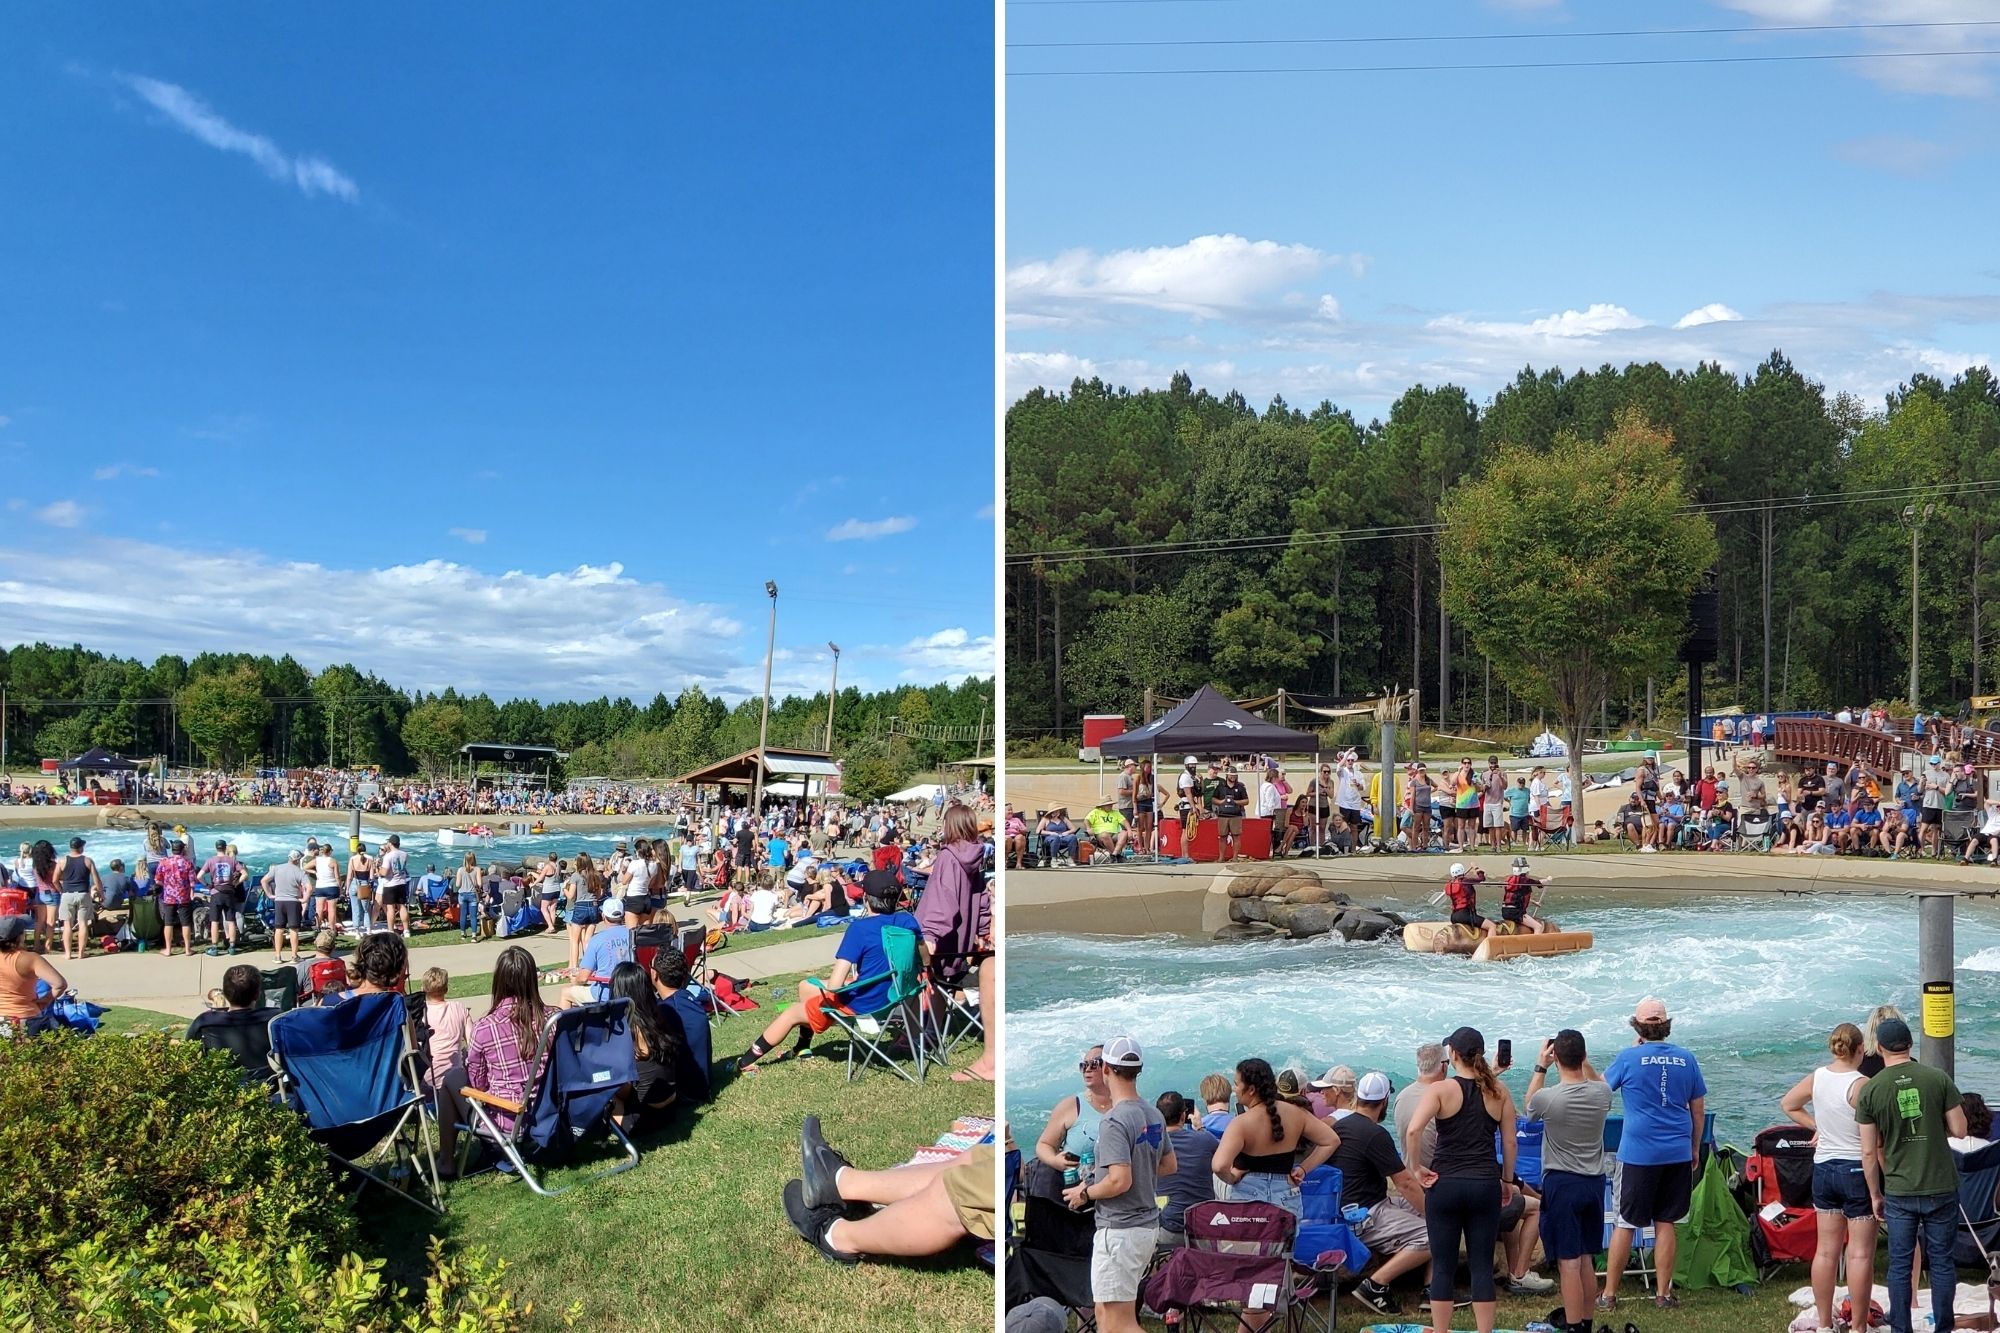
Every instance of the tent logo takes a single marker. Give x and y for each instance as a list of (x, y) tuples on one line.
[(1231, 723)]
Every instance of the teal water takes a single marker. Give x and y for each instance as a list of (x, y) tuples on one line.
[(263, 844), (1754, 986)]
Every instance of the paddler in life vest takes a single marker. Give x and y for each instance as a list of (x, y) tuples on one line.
[(1518, 896), (1462, 891)]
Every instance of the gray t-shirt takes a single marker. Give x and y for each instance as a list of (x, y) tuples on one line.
[(1836, 790), (1134, 1134), (1406, 1111), (1572, 1115), (288, 883)]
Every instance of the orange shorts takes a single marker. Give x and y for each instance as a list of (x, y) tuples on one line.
[(816, 1006)]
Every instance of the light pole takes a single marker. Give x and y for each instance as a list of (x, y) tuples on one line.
[(764, 722), (833, 692), (1915, 522)]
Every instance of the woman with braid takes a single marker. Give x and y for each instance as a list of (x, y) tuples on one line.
[(1256, 1158), (1462, 1189)]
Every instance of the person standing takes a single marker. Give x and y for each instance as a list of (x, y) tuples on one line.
[(1572, 1112), (1191, 1181), (1231, 799), (1128, 791), (1132, 1155), (286, 883), (1188, 803), (175, 876), (80, 885), (1839, 1183), (1493, 809), (1665, 1102), (326, 884), (361, 890), (1463, 1193), (1905, 1115), (392, 886)]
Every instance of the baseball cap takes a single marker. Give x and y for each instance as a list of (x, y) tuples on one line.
[(1651, 1010), (325, 940), (1467, 1041), (1291, 1080), (612, 907), (1373, 1087), (1340, 1076), (294, 856), (1122, 1053), (1891, 1034), (11, 928)]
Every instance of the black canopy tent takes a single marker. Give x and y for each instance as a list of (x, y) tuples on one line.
[(99, 760), (521, 758), (1207, 722)]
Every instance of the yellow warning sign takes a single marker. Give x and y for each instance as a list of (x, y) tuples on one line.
[(1938, 1009)]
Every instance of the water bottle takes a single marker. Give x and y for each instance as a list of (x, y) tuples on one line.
[(1087, 1161)]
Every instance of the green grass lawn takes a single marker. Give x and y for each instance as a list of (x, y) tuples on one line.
[(120, 1020), (695, 1237)]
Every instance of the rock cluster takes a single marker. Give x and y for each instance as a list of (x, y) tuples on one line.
[(1272, 902)]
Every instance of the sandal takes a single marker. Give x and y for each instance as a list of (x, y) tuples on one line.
[(967, 1076)]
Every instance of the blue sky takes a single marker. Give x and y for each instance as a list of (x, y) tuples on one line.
[(1347, 235), (502, 346)]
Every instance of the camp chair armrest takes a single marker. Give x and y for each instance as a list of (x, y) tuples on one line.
[(499, 1103), (856, 984)]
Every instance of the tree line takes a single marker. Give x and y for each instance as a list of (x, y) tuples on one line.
[(234, 710), (1173, 537)]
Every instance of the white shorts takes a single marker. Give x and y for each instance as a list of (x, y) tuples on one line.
[(1494, 816), (1118, 1260)]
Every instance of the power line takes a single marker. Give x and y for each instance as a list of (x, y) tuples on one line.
[(1629, 63), (1487, 36), (1271, 541)]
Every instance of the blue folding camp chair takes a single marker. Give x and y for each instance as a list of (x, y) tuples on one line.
[(1979, 1210), (351, 1070), (586, 1056), (868, 1035)]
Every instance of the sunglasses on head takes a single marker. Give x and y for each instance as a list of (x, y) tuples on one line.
[(1087, 1065)]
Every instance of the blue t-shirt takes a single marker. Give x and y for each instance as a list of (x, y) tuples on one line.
[(433, 885), (778, 848), (862, 946), (1517, 802), (1657, 1081), (1867, 817), (1838, 818), (609, 947)]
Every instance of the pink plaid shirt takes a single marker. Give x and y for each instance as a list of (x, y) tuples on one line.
[(495, 1063)]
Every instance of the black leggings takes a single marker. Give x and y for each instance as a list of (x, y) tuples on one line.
[(1468, 1207)]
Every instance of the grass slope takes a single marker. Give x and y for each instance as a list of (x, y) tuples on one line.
[(695, 1237)]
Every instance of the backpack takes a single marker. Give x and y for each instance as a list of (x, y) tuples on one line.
[(326, 977)]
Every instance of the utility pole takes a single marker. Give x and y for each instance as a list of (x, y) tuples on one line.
[(1767, 607), (833, 692), (1934, 973), (1915, 522), (764, 721)]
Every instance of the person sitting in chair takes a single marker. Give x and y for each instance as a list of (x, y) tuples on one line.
[(1058, 837), (1107, 829), (243, 1026), (861, 957), (922, 1210)]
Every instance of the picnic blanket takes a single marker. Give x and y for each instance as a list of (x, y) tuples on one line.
[(966, 1132)]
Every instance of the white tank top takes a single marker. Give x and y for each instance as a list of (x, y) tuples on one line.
[(1839, 1140)]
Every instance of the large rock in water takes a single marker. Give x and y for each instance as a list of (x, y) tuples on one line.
[(1250, 930), (1251, 884), (1365, 923), (1312, 893), (1249, 909), (1305, 920)]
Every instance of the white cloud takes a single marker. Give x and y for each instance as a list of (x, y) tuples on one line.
[(985, 511), (1897, 154), (867, 530), (1328, 308), (312, 175), (117, 470), (949, 654), (577, 632), (61, 514), (1950, 76), (1713, 313), (472, 536), (1208, 276), (1599, 319)]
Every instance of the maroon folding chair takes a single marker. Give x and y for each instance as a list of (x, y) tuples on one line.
[(1235, 1272)]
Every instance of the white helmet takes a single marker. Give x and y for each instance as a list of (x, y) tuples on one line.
[(1457, 869)]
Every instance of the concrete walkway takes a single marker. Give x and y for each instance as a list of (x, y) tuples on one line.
[(178, 985)]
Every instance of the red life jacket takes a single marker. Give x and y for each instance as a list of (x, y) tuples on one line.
[(1520, 890), (1464, 893)]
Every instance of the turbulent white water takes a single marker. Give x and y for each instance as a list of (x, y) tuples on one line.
[(1754, 986), (262, 844)]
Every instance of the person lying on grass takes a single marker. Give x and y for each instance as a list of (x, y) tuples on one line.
[(922, 1210), (861, 957)]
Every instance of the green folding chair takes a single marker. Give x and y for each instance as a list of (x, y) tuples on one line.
[(869, 1034)]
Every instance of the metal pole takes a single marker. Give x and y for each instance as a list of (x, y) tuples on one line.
[(833, 692), (1935, 955), (1387, 806), (764, 721), (1913, 617)]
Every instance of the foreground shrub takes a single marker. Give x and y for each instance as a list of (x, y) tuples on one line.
[(151, 1145), (216, 1286)]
